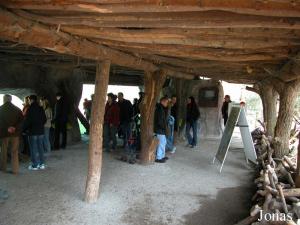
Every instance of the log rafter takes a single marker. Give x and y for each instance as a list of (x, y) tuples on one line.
[(216, 39), (168, 20), (20, 30), (289, 71), (204, 40), (227, 55), (251, 7)]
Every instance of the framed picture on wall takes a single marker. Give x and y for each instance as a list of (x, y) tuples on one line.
[(208, 97)]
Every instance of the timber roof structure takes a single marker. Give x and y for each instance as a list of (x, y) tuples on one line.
[(243, 41)]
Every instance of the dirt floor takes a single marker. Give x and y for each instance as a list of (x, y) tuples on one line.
[(187, 190)]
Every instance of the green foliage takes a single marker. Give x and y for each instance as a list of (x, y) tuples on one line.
[(297, 106), (254, 103)]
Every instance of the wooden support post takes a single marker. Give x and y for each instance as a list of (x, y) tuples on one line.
[(96, 130), (153, 84), (288, 92), (180, 101), (269, 97)]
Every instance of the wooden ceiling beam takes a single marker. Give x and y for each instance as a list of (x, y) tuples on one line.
[(290, 70), (211, 41), (251, 7), (173, 61), (173, 70), (199, 67), (17, 29), (229, 76), (238, 33), (167, 32), (191, 52), (171, 20), (187, 66), (211, 72), (178, 70)]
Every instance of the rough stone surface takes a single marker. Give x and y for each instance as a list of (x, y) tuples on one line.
[(22, 80), (187, 190), (210, 123)]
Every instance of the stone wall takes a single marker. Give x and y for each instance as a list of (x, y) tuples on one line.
[(22, 80), (211, 117), (210, 123)]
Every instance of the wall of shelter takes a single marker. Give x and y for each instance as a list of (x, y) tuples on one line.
[(21, 80)]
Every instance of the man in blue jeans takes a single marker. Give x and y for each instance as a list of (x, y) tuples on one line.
[(170, 137), (34, 125), (160, 129), (192, 116)]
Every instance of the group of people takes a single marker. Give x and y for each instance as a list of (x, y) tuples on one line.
[(165, 124), (121, 117), (33, 123)]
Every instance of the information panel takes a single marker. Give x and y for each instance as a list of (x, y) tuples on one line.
[(237, 117), (227, 135)]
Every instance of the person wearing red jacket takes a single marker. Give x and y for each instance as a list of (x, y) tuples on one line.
[(111, 122)]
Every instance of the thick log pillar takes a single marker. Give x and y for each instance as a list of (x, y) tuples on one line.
[(269, 97), (180, 102), (96, 130), (288, 92), (153, 83)]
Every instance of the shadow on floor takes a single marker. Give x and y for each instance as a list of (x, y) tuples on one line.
[(230, 206)]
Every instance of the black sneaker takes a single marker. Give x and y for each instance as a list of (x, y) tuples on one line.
[(160, 160), (166, 158), (131, 161), (123, 158)]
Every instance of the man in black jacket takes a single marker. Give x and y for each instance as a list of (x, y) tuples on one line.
[(160, 129), (10, 130), (60, 120), (34, 122), (192, 116), (126, 113), (225, 107)]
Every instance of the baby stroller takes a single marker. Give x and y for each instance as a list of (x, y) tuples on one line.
[(130, 148)]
